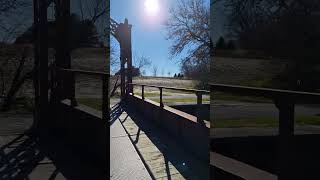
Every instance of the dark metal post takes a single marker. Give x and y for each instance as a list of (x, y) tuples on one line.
[(142, 91), (36, 62), (105, 111), (73, 90), (161, 102), (43, 64), (122, 76), (286, 134), (63, 47), (127, 30), (131, 88), (199, 105)]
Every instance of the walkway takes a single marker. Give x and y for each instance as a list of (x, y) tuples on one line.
[(162, 156), (125, 162), (24, 157)]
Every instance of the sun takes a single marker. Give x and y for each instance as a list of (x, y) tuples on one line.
[(151, 7)]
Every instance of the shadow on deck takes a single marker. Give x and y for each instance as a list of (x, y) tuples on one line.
[(263, 152), (163, 156), (26, 157)]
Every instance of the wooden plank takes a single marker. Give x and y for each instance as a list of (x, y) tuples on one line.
[(238, 168)]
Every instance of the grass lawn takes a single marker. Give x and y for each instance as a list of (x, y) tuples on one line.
[(183, 100), (151, 94), (96, 103), (91, 102), (264, 122), (165, 92), (230, 97)]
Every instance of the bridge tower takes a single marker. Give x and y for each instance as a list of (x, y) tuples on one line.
[(40, 77), (122, 33), (60, 86)]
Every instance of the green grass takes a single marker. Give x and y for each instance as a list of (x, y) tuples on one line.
[(96, 103), (151, 94), (264, 122), (230, 97), (91, 102), (20, 105), (165, 92), (181, 100)]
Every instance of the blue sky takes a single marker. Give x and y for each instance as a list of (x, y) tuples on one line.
[(148, 33)]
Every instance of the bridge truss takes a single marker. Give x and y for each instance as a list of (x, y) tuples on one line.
[(62, 85), (122, 33)]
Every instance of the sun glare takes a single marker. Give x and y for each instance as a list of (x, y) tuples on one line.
[(151, 7)]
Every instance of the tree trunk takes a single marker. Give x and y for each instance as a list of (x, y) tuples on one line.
[(15, 87), (115, 87)]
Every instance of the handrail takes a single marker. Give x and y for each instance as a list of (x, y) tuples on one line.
[(105, 88), (285, 101), (198, 93), (266, 92), (83, 71), (173, 88)]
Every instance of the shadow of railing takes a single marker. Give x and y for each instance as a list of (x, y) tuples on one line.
[(115, 112), (160, 138), (21, 159), (47, 158)]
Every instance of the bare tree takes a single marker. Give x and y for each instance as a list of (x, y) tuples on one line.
[(14, 61), (286, 29), (143, 72), (114, 60), (17, 71), (95, 11), (115, 84), (188, 27), (162, 72), (10, 5), (141, 62), (12, 24), (155, 70)]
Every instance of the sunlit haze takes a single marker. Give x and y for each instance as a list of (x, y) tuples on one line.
[(151, 7)]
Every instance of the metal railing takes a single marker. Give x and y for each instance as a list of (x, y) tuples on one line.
[(105, 88), (198, 93), (285, 101)]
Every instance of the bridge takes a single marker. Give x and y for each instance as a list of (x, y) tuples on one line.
[(170, 143), (148, 140)]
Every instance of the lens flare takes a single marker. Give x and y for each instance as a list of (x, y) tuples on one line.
[(151, 7)]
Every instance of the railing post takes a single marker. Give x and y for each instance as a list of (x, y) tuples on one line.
[(104, 97), (142, 91), (161, 102), (286, 134), (199, 105), (73, 90), (131, 89)]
